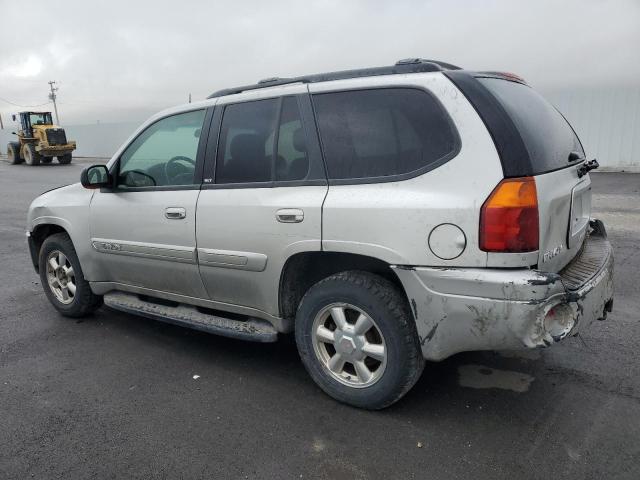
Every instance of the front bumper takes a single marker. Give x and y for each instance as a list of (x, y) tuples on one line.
[(465, 309), (55, 150)]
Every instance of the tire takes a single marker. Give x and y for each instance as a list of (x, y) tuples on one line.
[(392, 332), (13, 153), (64, 159), (77, 304), (46, 159), (31, 157)]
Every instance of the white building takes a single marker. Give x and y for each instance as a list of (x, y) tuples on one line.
[(607, 121)]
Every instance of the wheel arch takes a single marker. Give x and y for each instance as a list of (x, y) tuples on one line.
[(37, 237), (302, 270)]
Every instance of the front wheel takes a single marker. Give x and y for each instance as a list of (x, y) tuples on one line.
[(31, 156), (357, 339), (62, 279)]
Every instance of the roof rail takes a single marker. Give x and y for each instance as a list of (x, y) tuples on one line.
[(409, 65)]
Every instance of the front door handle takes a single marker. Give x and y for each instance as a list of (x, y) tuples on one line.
[(175, 213), (290, 215)]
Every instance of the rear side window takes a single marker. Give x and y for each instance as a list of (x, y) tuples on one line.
[(383, 132), (547, 136)]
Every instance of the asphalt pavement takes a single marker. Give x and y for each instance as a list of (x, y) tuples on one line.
[(120, 396)]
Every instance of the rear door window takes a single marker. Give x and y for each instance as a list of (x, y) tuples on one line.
[(242, 154), (383, 132), (262, 141), (547, 136)]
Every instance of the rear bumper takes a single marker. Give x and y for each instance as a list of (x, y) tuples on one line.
[(460, 309)]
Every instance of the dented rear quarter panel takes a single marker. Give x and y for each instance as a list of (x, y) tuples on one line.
[(392, 220)]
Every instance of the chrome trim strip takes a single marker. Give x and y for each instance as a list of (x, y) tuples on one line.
[(158, 251)]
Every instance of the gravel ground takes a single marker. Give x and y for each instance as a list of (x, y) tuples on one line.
[(115, 396)]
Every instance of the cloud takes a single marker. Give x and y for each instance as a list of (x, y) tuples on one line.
[(118, 61), (17, 68)]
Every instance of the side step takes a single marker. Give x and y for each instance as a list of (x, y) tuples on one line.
[(252, 329)]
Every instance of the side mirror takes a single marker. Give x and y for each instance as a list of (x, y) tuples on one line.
[(95, 176)]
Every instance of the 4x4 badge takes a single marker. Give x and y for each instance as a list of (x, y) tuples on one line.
[(107, 246)]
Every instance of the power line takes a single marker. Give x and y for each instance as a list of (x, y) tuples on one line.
[(23, 106)]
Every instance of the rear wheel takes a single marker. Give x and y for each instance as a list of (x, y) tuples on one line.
[(357, 339), (13, 152), (62, 279), (46, 159), (64, 159), (31, 157)]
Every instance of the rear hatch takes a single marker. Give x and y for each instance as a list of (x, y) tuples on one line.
[(553, 153)]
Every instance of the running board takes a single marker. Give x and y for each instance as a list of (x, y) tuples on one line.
[(252, 329)]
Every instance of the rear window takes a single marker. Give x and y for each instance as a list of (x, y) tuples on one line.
[(383, 132), (547, 136)]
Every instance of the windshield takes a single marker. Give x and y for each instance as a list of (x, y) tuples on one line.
[(40, 118)]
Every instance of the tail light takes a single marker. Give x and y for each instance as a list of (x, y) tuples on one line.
[(509, 217)]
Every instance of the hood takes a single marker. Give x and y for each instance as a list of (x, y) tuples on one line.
[(56, 204)]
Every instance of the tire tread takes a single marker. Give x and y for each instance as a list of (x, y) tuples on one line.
[(86, 301), (389, 294)]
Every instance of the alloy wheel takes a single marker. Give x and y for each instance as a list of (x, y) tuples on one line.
[(61, 277), (349, 345)]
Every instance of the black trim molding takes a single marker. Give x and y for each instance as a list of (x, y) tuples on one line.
[(513, 153)]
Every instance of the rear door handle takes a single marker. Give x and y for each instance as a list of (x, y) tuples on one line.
[(175, 213), (290, 215)]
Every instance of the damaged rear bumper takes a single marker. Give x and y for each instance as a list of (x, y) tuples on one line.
[(465, 309)]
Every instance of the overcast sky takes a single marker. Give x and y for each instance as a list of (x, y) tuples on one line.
[(122, 61)]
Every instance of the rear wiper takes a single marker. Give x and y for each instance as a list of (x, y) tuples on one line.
[(587, 166)]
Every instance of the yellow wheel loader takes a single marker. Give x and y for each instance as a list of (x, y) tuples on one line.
[(39, 140)]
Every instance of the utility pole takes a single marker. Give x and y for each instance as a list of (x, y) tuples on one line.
[(52, 97)]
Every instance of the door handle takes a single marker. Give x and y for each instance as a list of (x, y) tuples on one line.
[(175, 213), (290, 215)]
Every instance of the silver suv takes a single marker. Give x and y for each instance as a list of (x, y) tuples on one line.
[(386, 216)]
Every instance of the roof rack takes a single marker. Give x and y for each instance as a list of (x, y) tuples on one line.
[(408, 65)]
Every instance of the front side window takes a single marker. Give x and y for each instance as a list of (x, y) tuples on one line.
[(262, 141), (382, 132), (164, 154)]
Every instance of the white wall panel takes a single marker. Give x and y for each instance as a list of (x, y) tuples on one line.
[(607, 121)]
